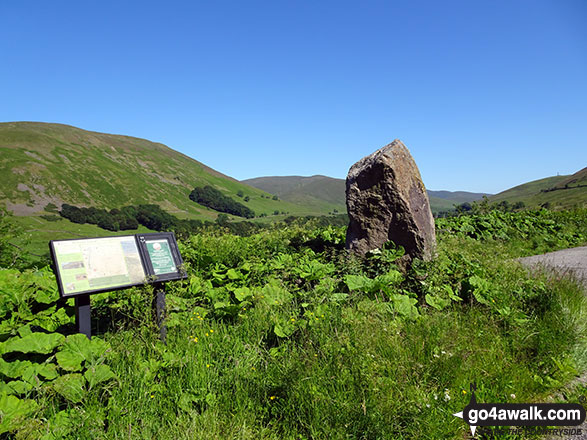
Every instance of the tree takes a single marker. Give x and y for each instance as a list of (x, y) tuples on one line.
[(72, 213), (222, 219), (214, 199), (464, 207)]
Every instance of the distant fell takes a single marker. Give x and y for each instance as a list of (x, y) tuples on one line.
[(559, 192), (55, 163), (320, 192), (457, 196), (577, 180), (330, 192)]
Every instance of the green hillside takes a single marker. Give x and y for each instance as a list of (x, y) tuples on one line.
[(320, 192), (555, 192), (54, 163), (577, 180), (329, 193), (438, 204), (456, 196)]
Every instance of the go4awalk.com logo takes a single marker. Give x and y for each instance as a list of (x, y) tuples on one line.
[(521, 414)]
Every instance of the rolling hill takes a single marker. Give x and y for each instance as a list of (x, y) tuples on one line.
[(329, 192), (53, 163), (320, 192), (556, 191)]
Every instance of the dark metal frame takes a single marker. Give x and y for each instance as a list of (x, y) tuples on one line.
[(82, 299), (170, 237), (57, 270)]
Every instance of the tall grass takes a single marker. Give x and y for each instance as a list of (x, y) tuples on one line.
[(304, 355)]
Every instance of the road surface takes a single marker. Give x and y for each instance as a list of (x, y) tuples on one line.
[(571, 262)]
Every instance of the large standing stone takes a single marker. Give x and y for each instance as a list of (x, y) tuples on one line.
[(386, 200)]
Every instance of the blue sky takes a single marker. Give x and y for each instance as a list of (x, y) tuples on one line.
[(485, 94)]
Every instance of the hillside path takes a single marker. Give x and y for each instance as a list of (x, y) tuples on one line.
[(571, 262)]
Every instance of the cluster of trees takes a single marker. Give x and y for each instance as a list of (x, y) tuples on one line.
[(151, 216), (483, 206), (212, 198), (113, 220), (130, 217)]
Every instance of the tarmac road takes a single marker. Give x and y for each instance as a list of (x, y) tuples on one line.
[(572, 262), (568, 261)]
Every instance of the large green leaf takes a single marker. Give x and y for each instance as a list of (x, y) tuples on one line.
[(14, 411), (42, 343), (284, 330), (436, 301), (14, 369), (234, 275), (60, 426), (405, 306), (391, 278), (48, 371), (358, 282), (71, 386), (15, 387), (51, 320), (77, 349), (70, 360), (29, 372), (97, 374), (243, 293), (273, 294)]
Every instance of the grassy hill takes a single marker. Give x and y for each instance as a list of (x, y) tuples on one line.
[(456, 196), (319, 192), (577, 180), (62, 164), (329, 193), (556, 191), (52, 163)]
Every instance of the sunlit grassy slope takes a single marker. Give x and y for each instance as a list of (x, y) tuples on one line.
[(62, 164), (557, 191), (327, 192)]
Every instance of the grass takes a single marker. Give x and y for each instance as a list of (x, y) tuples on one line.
[(59, 163), (37, 232), (304, 356), (530, 193), (356, 374)]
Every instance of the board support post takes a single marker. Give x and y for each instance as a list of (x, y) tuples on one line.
[(159, 309), (83, 322)]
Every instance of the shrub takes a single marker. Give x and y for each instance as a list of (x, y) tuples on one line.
[(214, 199)]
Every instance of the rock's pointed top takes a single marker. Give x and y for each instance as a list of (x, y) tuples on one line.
[(386, 200)]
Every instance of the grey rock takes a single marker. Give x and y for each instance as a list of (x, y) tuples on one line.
[(386, 200)]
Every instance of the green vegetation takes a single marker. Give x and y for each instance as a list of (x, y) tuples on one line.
[(328, 194), (212, 198), (50, 164), (560, 192), (283, 335), (113, 220)]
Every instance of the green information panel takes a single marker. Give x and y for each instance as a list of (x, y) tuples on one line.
[(97, 264), (92, 265), (160, 256)]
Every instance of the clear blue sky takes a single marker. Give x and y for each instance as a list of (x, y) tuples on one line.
[(485, 94)]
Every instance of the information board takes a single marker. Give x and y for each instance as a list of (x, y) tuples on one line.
[(161, 255), (93, 265)]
